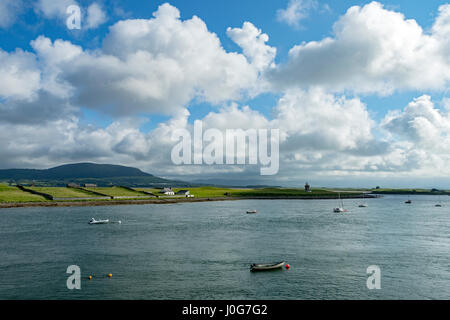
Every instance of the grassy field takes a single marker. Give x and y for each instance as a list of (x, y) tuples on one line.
[(152, 190), (116, 191), (13, 194), (410, 191), (62, 192)]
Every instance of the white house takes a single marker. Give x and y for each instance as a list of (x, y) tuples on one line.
[(168, 192)]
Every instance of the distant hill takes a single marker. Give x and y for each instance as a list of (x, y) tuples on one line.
[(100, 174)]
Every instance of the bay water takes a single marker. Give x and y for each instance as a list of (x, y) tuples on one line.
[(203, 250)]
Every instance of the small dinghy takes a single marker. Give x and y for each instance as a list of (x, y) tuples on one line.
[(266, 267), (93, 221), (251, 211)]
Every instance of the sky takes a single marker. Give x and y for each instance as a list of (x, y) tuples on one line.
[(358, 90)]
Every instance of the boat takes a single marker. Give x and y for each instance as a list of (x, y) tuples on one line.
[(408, 201), (266, 267), (363, 205), (438, 204), (251, 211), (93, 221), (341, 206)]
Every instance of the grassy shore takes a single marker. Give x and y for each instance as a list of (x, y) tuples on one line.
[(14, 197), (412, 191)]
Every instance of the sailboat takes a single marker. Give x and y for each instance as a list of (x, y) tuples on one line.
[(438, 204), (363, 204), (341, 206)]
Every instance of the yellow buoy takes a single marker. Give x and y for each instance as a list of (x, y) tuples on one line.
[(90, 277), (109, 275)]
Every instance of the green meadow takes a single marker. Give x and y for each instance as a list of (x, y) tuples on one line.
[(14, 194), (63, 192), (116, 191)]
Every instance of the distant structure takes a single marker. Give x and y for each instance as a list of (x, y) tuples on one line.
[(90, 185), (185, 193), (168, 191), (72, 185), (307, 187)]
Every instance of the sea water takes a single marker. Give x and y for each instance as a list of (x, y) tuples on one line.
[(204, 250)]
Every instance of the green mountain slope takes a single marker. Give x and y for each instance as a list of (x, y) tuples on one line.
[(100, 174)]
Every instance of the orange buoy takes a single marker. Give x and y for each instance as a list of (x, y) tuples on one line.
[(287, 266), (109, 275)]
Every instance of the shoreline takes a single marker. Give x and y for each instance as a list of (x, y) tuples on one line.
[(162, 201)]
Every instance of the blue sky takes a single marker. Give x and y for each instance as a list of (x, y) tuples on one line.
[(372, 139)]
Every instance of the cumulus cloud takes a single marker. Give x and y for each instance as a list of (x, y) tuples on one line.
[(156, 65), (319, 121), (95, 16), (159, 65), (20, 75), (373, 50), (253, 43), (420, 123), (296, 11)]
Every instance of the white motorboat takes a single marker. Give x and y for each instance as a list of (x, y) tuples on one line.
[(93, 221)]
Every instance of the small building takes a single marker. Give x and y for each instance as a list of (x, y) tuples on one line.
[(168, 191), (90, 185), (185, 193), (307, 187), (72, 185)]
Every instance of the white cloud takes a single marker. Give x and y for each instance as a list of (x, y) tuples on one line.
[(54, 9), (159, 65), (373, 50), (296, 11), (316, 120), (253, 43), (20, 75), (95, 16), (9, 10), (421, 124)]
